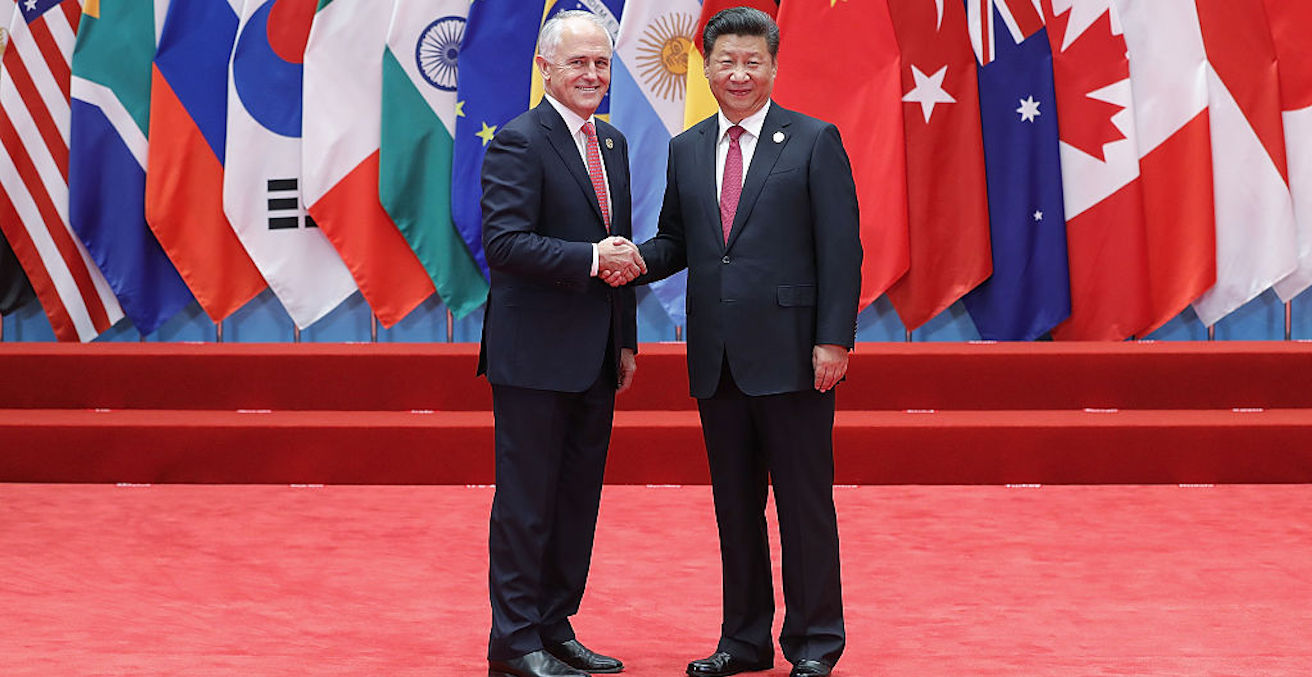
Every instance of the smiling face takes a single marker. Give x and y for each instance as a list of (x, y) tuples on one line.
[(741, 73), (577, 71)]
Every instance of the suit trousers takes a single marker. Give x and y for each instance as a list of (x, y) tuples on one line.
[(785, 440), (550, 459)]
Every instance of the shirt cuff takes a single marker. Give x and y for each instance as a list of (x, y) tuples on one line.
[(595, 256)]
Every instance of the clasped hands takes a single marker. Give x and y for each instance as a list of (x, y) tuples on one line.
[(618, 261)]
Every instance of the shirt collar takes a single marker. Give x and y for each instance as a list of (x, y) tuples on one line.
[(572, 120), (752, 123)]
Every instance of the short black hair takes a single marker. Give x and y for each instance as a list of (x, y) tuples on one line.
[(741, 21)]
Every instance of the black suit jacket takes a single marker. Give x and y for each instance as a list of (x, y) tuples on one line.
[(789, 277), (548, 323)]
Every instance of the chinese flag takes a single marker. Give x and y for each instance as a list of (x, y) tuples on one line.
[(946, 191), (822, 48)]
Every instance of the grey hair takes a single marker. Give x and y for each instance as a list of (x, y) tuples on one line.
[(550, 35)]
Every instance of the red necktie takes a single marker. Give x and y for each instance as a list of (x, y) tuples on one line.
[(731, 187), (594, 172)]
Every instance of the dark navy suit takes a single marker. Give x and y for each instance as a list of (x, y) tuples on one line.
[(550, 349), (788, 279)]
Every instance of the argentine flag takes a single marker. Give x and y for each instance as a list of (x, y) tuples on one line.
[(647, 92)]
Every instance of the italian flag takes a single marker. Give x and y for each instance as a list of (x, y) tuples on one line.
[(340, 151), (419, 111)]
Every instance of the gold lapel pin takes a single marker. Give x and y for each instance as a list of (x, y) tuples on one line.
[(778, 137), (610, 144)]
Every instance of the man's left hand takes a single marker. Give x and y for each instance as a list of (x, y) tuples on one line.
[(628, 367), (830, 365)]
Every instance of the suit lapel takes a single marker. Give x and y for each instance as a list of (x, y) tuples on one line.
[(774, 136), (612, 156), (704, 164), (563, 143)]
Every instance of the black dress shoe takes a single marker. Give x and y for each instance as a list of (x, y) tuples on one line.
[(536, 664), (578, 656), (810, 668), (722, 664)]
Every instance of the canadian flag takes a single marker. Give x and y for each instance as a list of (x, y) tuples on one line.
[(948, 207), (1168, 81), (1289, 24), (1256, 241), (1105, 229)]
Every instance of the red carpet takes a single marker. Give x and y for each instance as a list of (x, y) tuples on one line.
[(1126, 413), (952, 581)]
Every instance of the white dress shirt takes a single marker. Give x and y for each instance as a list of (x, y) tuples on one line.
[(751, 125)]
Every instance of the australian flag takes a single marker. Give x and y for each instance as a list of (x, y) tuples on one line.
[(1029, 292)]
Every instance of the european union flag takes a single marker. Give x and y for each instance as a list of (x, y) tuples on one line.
[(1029, 292), (495, 85)]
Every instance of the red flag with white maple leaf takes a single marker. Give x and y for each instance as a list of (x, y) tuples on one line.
[(1168, 75), (1105, 224), (948, 213)]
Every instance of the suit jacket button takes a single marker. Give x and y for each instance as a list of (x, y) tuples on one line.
[(725, 259)]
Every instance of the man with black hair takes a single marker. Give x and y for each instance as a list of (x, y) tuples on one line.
[(760, 207)]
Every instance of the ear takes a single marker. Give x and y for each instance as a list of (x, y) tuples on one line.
[(542, 65)]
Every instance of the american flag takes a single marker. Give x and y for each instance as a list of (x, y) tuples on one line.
[(34, 127)]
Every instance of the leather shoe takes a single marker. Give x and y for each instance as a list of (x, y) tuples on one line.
[(536, 664), (722, 664), (578, 656), (810, 668)]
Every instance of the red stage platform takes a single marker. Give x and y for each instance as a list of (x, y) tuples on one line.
[(1043, 413)]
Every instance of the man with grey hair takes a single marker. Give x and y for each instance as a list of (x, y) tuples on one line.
[(559, 340)]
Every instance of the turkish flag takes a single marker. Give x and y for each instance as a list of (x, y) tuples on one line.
[(1290, 20), (1168, 77), (1105, 225), (947, 195), (840, 63)]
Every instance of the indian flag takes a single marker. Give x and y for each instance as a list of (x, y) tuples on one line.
[(419, 110)]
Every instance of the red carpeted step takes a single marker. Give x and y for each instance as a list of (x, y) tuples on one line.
[(887, 376), (655, 447)]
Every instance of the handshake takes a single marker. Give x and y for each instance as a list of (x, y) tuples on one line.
[(618, 261)]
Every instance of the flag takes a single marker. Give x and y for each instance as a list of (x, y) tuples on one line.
[(110, 115), (1105, 226), (496, 60), (700, 103), (1029, 292), (1256, 241), (15, 290), (1168, 78), (649, 77), (1289, 23), (497, 83), (339, 152), (184, 168), (948, 217), (262, 169), (418, 122), (820, 49), (34, 128)]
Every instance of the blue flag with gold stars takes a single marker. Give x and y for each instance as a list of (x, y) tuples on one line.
[(1029, 291), (497, 83)]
